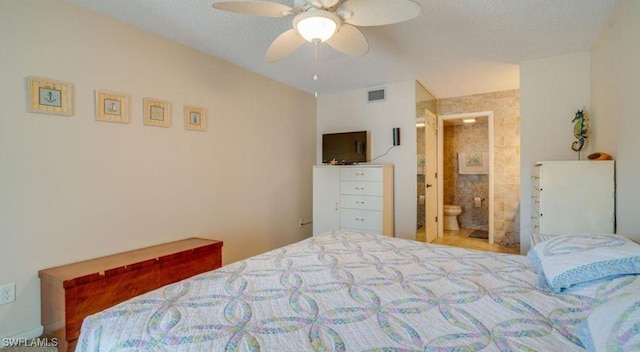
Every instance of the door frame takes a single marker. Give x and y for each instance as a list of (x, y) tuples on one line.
[(441, 119), (428, 117)]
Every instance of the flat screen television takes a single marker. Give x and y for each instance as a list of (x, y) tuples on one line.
[(346, 147)]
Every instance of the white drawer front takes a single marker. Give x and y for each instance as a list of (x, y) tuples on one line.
[(361, 202), (360, 174), (361, 188), (361, 219)]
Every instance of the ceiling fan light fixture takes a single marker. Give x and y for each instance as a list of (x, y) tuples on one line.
[(316, 26)]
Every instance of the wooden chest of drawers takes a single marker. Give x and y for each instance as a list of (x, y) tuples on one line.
[(71, 292)]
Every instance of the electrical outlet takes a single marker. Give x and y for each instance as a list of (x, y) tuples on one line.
[(7, 293)]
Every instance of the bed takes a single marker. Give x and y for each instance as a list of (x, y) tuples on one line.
[(346, 291)]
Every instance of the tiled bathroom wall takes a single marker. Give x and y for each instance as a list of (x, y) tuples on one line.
[(506, 108), (460, 189)]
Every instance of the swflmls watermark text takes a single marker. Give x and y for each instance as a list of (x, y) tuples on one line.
[(35, 342)]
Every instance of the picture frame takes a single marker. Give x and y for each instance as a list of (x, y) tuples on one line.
[(157, 112), (48, 96), (112, 107), (195, 118)]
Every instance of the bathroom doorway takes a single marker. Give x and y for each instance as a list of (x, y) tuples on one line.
[(465, 166)]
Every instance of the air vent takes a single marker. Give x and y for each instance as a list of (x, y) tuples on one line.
[(378, 94)]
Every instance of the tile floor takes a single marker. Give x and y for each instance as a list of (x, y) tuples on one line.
[(461, 239)]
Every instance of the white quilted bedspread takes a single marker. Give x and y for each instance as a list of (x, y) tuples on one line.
[(354, 292)]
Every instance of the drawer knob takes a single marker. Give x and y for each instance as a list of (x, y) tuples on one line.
[(360, 188), (359, 202), (359, 219)]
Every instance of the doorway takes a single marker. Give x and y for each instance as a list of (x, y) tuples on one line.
[(471, 201)]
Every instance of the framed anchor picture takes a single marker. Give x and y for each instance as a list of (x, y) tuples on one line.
[(112, 107), (47, 96)]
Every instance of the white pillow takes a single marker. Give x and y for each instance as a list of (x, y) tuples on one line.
[(613, 326), (567, 260)]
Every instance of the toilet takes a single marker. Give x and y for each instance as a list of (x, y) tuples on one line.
[(451, 213)]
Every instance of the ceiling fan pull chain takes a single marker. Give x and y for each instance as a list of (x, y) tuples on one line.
[(315, 65), (315, 60)]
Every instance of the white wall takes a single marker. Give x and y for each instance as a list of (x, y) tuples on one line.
[(72, 188), (350, 111), (615, 72), (551, 91)]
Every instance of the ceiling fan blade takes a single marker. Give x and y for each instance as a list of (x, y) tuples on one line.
[(349, 40), (257, 8), (285, 44), (379, 12), (321, 4), (329, 3)]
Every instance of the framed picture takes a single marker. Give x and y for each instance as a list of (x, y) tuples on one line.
[(195, 118), (157, 113), (47, 96), (112, 107)]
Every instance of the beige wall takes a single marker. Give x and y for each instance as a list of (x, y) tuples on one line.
[(552, 90), (615, 70), (506, 114), (72, 188)]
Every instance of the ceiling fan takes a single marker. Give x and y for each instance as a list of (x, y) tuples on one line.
[(330, 21)]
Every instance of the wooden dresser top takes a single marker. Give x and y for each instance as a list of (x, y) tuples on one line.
[(100, 265)]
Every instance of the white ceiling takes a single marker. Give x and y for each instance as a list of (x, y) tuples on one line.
[(454, 48)]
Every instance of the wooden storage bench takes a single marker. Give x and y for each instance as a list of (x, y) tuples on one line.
[(71, 292)]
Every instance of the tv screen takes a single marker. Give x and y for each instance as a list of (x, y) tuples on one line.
[(345, 148)]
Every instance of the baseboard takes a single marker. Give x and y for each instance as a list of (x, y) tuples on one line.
[(29, 334)]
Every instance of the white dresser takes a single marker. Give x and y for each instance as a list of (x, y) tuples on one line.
[(353, 198), (572, 197)]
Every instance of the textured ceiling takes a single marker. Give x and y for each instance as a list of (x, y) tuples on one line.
[(454, 48)]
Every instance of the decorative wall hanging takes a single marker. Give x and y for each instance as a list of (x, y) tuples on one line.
[(195, 118), (112, 107), (157, 113), (474, 163), (580, 131), (48, 96)]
